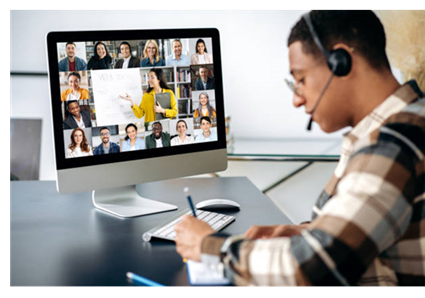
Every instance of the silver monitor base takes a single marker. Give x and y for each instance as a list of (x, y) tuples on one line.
[(125, 202)]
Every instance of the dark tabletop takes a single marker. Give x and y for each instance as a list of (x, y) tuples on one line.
[(63, 240)]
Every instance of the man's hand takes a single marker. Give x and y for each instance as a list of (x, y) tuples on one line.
[(261, 232), (189, 235)]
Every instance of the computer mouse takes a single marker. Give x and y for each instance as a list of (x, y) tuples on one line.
[(217, 204)]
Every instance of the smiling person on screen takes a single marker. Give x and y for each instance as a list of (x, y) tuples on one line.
[(148, 107)]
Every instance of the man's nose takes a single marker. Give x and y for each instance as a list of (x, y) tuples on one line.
[(298, 101)]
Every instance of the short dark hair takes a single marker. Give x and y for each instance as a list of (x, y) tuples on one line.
[(103, 128), (156, 123), (359, 29), (70, 42), (127, 44), (206, 118), (69, 102)]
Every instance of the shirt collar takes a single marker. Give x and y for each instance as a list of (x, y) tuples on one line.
[(393, 104)]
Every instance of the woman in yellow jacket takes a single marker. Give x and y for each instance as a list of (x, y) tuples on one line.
[(148, 107)]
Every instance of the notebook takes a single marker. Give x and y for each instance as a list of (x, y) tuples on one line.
[(200, 275), (164, 100)]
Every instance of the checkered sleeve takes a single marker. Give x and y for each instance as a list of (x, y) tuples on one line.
[(371, 210)]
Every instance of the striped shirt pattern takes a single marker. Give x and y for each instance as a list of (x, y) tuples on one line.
[(368, 225)]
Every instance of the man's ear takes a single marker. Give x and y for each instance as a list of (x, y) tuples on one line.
[(341, 60)]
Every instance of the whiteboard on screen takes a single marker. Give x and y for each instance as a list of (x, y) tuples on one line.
[(108, 85)]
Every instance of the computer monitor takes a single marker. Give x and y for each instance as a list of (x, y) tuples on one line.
[(135, 106)]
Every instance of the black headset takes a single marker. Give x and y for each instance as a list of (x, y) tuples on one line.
[(339, 60)]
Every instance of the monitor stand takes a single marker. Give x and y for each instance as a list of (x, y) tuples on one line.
[(126, 202)]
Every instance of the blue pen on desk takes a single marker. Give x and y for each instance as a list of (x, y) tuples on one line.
[(142, 280), (189, 199)]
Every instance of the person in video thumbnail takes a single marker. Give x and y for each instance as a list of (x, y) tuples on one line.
[(76, 117), (79, 145), (148, 107), (204, 108), (101, 58), (128, 60), (182, 138), (151, 55), (106, 147), (177, 59), (158, 138), (207, 135), (75, 92), (71, 62), (202, 56), (131, 141), (204, 82)]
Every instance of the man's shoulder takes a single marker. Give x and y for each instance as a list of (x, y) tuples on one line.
[(403, 133), (114, 145), (413, 112), (407, 127)]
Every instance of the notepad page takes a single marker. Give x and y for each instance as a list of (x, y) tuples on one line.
[(200, 274)]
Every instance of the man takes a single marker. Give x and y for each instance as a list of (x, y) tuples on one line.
[(368, 224), (207, 135), (76, 117), (158, 138), (204, 82), (177, 59), (128, 60), (72, 62), (106, 147)]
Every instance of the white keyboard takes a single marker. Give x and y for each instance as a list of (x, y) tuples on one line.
[(166, 230)]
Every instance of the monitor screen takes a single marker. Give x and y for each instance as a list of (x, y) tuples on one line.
[(125, 95), (133, 106)]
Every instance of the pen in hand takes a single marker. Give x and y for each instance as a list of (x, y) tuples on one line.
[(189, 199)]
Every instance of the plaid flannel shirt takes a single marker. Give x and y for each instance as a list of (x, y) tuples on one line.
[(368, 225)]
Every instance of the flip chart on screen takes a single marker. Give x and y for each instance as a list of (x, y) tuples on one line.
[(108, 85)]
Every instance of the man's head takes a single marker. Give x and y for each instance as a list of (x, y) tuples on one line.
[(203, 73), (70, 49), (177, 47), (104, 135), (361, 35), (125, 49), (205, 124), (157, 130), (74, 108), (358, 29)]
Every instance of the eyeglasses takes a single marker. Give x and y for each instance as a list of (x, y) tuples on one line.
[(105, 134), (292, 86)]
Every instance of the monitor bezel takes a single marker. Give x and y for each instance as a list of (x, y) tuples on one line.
[(53, 38)]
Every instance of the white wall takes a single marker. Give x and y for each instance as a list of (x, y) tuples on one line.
[(254, 63)]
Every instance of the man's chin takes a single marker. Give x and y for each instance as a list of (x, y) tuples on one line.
[(329, 127)]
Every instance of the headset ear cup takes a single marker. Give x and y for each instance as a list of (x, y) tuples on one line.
[(339, 62)]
